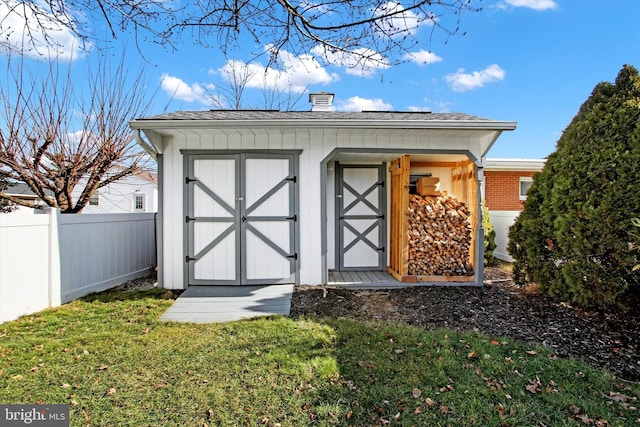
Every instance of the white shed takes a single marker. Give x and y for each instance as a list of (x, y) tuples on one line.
[(264, 197)]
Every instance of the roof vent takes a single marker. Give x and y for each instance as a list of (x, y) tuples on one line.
[(321, 101)]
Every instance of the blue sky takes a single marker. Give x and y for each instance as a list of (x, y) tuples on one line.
[(530, 61)]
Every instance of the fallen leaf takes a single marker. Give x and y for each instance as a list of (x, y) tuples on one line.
[(574, 409), (618, 397), (418, 410), (494, 342), (399, 351), (531, 352), (111, 391), (502, 411), (472, 355), (397, 416), (17, 377), (416, 393), (586, 420), (65, 385), (534, 386), (103, 368), (429, 402), (444, 409), (349, 415)]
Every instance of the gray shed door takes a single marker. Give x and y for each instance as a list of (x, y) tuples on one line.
[(360, 212), (241, 219)]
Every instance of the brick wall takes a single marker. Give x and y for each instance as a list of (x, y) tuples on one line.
[(502, 189)]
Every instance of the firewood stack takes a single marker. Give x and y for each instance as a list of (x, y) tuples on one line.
[(439, 236)]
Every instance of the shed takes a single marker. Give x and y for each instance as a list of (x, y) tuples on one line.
[(265, 197)]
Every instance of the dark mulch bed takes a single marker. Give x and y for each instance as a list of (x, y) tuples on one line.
[(500, 308)]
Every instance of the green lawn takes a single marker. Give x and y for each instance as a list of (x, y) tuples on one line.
[(110, 358)]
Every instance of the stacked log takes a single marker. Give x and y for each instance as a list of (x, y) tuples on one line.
[(439, 236)]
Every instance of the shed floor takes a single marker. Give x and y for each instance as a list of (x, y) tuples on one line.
[(210, 304), (378, 280), (363, 280)]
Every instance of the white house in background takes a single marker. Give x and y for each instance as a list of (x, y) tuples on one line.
[(506, 182), (131, 194), (263, 197)]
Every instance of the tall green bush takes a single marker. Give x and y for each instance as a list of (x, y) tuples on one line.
[(489, 236), (574, 234)]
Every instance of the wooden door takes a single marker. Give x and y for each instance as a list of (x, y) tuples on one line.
[(241, 219)]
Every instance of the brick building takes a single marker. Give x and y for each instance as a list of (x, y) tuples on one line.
[(506, 182)]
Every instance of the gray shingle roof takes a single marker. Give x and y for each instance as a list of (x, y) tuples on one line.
[(311, 115)]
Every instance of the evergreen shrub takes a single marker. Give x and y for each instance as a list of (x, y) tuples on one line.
[(574, 236)]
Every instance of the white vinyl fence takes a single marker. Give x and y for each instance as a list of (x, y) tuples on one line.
[(47, 259), (501, 221)]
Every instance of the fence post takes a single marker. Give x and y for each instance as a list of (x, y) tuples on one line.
[(54, 258)]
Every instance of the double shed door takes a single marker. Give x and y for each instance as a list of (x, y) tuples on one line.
[(241, 219)]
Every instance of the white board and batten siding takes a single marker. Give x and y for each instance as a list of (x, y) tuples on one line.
[(314, 145)]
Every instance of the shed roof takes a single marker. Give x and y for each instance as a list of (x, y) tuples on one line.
[(180, 123), (312, 115)]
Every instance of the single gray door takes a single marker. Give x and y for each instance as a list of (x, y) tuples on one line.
[(241, 219), (360, 202)]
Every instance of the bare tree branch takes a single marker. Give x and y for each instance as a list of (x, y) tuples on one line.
[(387, 27), (38, 144)]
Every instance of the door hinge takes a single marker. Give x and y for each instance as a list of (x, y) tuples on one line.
[(188, 258), (188, 180), (188, 219), (293, 218), (381, 183), (381, 216), (294, 256), (380, 249), (293, 179)]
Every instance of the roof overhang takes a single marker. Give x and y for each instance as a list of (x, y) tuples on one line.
[(531, 165), (165, 126), (155, 129)]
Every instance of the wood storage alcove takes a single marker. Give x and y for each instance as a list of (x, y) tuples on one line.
[(432, 238)]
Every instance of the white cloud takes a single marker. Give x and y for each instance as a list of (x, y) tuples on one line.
[(360, 62), (422, 57), (296, 75), (462, 82), (41, 36), (179, 89), (403, 22), (438, 106), (532, 4), (357, 104)]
